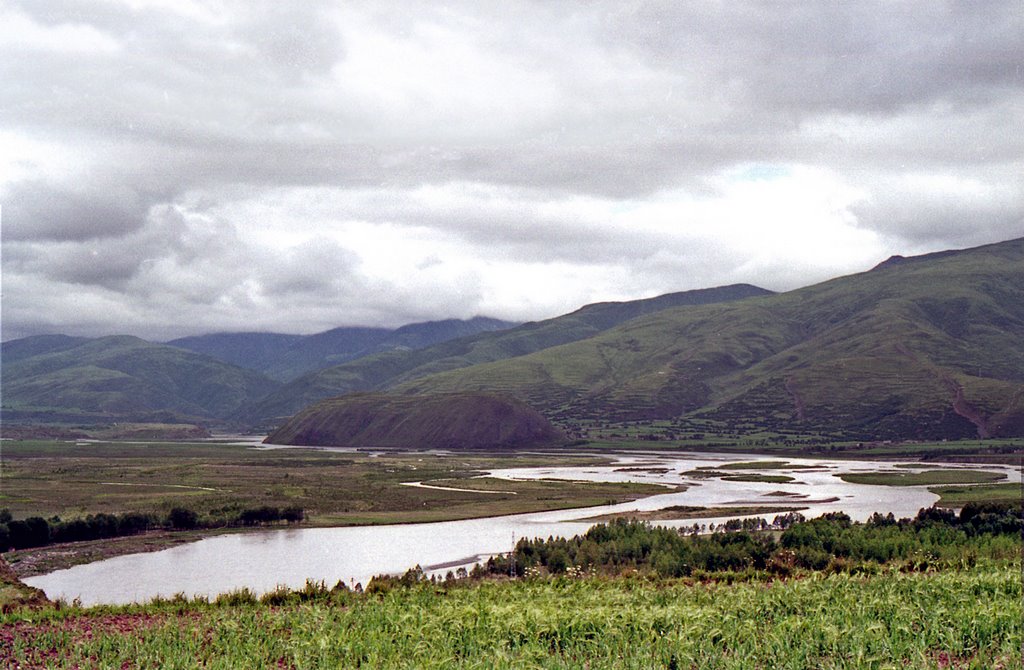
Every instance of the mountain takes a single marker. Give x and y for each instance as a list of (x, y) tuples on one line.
[(285, 357), (445, 421), (924, 347), (120, 378), (385, 370)]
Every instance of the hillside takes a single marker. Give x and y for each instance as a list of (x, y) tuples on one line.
[(926, 347), (386, 370), (119, 378), (446, 421), (285, 357)]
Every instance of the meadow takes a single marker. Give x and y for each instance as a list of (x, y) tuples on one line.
[(65, 479), (221, 483)]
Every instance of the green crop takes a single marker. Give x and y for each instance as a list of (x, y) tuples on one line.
[(964, 618)]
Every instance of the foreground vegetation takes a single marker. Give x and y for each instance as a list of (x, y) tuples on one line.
[(958, 608)]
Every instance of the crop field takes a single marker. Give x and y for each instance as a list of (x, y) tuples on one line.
[(963, 618)]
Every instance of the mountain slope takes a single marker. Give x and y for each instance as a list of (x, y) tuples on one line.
[(927, 347), (385, 370), (121, 378), (285, 357), (446, 421)]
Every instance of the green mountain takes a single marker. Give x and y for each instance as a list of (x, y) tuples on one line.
[(386, 370), (120, 378), (443, 421), (285, 357), (925, 347)]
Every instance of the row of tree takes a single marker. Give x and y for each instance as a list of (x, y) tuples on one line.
[(935, 534), (36, 531)]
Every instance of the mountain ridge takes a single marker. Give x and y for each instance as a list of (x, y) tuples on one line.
[(385, 370), (284, 357), (918, 349)]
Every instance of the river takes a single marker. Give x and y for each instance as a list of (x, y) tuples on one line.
[(263, 560)]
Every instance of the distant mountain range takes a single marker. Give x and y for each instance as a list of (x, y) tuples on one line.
[(203, 379), (120, 378), (924, 347), (387, 370), (285, 357)]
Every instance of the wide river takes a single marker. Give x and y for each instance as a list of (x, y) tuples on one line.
[(263, 560)]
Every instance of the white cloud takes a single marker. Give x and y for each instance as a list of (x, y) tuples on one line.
[(21, 32)]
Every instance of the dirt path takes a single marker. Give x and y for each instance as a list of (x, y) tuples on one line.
[(964, 408), (960, 404), (421, 485), (798, 402)]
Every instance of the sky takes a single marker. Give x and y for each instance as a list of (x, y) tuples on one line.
[(175, 167)]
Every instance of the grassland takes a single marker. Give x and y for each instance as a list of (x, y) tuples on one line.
[(769, 479), (958, 496), (67, 480), (680, 512), (764, 465), (655, 436), (71, 480), (963, 618), (922, 478)]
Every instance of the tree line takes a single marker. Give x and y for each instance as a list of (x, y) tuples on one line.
[(36, 531), (831, 541)]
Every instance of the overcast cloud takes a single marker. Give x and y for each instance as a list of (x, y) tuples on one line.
[(171, 167)]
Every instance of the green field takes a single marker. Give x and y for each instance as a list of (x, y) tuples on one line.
[(218, 481), (68, 480), (677, 512), (964, 618), (769, 479), (958, 496), (922, 478)]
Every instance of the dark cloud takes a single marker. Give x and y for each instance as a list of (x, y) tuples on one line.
[(183, 166)]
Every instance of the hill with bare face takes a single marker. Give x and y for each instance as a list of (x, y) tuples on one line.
[(444, 421)]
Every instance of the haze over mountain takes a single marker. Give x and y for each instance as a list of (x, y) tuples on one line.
[(285, 357)]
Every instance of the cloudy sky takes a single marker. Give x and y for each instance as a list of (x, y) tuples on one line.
[(170, 167)]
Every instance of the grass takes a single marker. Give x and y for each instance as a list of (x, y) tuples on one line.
[(958, 496), (922, 478), (765, 465), (49, 478), (968, 617), (770, 479), (680, 512)]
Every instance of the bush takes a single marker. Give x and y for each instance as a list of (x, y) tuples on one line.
[(182, 518)]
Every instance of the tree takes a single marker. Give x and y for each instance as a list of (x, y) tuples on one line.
[(182, 518)]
